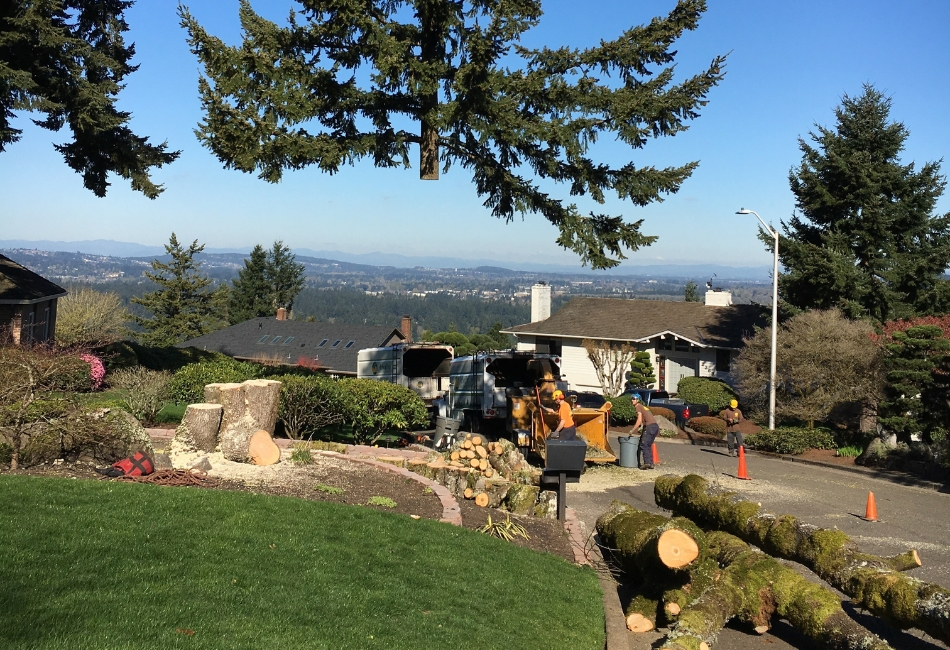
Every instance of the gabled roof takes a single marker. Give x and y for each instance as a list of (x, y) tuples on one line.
[(267, 338), (21, 286), (614, 319)]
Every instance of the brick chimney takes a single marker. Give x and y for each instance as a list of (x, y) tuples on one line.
[(281, 313), (406, 328)]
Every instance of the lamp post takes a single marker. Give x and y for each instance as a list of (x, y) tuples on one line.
[(774, 234)]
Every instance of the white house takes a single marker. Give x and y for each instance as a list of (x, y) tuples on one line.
[(684, 339)]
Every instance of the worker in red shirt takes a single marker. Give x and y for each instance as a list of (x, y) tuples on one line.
[(565, 418)]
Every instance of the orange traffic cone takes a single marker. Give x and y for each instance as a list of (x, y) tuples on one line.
[(870, 514), (656, 456), (742, 471)]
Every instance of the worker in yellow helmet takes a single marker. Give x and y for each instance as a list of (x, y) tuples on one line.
[(733, 416), (565, 418)]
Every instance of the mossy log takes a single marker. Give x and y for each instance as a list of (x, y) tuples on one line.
[(642, 613), (873, 583), (649, 546), (754, 587)]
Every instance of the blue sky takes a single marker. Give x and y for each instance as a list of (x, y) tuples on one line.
[(790, 63)]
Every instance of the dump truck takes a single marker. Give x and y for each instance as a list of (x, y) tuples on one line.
[(421, 367), (499, 393)]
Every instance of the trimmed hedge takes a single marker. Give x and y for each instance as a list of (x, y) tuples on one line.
[(188, 384), (622, 412), (374, 407), (708, 425), (706, 390), (791, 440)]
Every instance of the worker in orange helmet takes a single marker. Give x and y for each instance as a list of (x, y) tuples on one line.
[(565, 425), (733, 416)]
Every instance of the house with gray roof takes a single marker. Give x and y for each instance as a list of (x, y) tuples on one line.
[(27, 304), (684, 339), (329, 346)]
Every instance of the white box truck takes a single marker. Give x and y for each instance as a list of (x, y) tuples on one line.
[(420, 367)]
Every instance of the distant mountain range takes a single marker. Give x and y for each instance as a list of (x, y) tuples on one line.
[(693, 271)]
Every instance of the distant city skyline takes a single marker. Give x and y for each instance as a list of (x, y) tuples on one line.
[(789, 65)]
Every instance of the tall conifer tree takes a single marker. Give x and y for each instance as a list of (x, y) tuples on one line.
[(68, 59), (284, 276), (345, 78), (251, 295), (865, 238), (183, 307)]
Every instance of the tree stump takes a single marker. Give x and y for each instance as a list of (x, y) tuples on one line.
[(247, 408), (262, 399), (199, 427)]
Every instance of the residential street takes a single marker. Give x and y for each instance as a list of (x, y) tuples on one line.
[(909, 517)]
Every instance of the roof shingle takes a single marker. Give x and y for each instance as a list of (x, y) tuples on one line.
[(639, 320), (19, 285)]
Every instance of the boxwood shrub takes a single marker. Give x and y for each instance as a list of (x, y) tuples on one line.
[(706, 390), (622, 412), (187, 386), (708, 425), (791, 440)]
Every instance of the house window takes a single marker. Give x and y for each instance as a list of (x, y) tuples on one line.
[(723, 357), (276, 340), (336, 343), (46, 326), (681, 346), (263, 338), (665, 344), (349, 344), (30, 322), (554, 346), (288, 340), (323, 342)]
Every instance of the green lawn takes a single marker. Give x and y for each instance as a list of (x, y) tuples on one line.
[(102, 565)]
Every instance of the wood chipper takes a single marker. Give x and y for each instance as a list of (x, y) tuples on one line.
[(530, 426)]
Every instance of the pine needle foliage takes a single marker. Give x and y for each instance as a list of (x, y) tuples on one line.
[(68, 59), (339, 81)]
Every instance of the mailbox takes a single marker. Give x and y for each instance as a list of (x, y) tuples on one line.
[(563, 464)]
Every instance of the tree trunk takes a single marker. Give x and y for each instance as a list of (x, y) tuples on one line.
[(247, 408), (262, 399), (230, 397), (754, 587), (874, 583), (199, 427), (647, 545)]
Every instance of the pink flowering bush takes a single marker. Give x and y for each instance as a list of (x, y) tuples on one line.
[(97, 371)]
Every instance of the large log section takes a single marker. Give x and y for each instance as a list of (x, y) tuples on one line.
[(874, 583), (248, 407), (754, 587)]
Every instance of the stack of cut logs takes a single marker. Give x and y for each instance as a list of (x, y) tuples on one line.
[(494, 474), (695, 580)]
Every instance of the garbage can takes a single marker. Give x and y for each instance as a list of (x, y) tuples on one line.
[(445, 427), (628, 450)]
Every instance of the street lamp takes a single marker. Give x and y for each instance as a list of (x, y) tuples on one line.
[(774, 234)]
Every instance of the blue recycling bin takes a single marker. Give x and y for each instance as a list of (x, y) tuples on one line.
[(628, 450)]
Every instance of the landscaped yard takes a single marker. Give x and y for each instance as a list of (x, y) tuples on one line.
[(89, 564)]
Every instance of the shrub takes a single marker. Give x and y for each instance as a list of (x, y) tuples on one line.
[(146, 390), (97, 371), (667, 413), (706, 390), (374, 407), (708, 425), (310, 403), (622, 412), (6, 453), (73, 375), (791, 440), (126, 354), (188, 384)]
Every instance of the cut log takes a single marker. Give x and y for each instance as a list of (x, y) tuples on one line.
[(261, 448), (261, 401), (874, 583), (473, 463), (466, 444), (634, 539), (476, 440), (469, 493), (482, 464), (489, 472), (199, 427), (755, 586), (482, 452), (247, 408), (454, 455), (481, 499), (231, 399), (639, 623)]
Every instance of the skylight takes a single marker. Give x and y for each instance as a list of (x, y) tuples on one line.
[(276, 340), (288, 340), (349, 344), (323, 342), (336, 343), (264, 338)]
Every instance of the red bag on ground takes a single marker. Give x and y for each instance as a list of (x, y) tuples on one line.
[(138, 465)]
